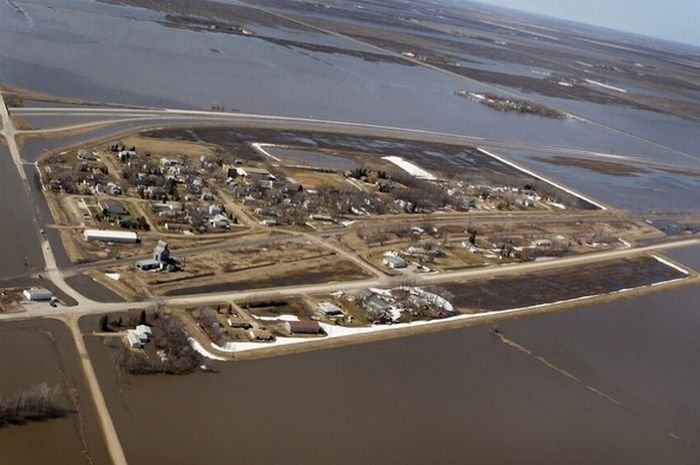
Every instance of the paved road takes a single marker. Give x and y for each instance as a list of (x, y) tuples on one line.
[(109, 432), (54, 274), (299, 123), (83, 308)]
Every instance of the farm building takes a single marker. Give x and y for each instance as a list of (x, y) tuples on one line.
[(38, 294), (105, 235), (304, 327)]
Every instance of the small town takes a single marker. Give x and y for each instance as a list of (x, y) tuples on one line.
[(349, 232)]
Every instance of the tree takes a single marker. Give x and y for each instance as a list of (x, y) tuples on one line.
[(142, 319), (104, 324)]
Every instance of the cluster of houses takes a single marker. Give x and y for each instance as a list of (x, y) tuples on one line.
[(180, 199), (280, 201), (535, 248), (264, 333), (88, 176), (400, 259), (387, 306), (189, 217)]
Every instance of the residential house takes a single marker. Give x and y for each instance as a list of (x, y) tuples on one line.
[(330, 309), (110, 207), (394, 262)]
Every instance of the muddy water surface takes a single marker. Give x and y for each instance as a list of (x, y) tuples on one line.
[(38, 352), (20, 252), (454, 397)]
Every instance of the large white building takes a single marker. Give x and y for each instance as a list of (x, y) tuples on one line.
[(105, 235)]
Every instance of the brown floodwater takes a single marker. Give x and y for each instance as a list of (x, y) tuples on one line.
[(36, 352), (454, 397)]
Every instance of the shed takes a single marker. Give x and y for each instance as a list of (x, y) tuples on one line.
[(260, 335), (304, 327), (236, 322), (148, 264), (38, 294)]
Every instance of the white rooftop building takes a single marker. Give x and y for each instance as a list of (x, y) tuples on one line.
[(144, 333), (105, 235), (330, 309), (133, 339), (38, 294)]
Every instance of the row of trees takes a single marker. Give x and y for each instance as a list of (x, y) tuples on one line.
[(38, 403)]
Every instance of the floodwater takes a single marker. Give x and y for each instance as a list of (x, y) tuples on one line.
[(20, 252), (454, 397), (688, 256), (32, 353), (312, 158), (91, 289), (648, 190), (56, 46)]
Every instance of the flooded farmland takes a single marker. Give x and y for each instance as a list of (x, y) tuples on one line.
[(464, 392), (262, 76), (610, 384), (20, 252), (501, 293), (33, 353)]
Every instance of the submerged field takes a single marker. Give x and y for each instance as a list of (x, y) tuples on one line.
[(32, 353), (502, 293), (463, 390)]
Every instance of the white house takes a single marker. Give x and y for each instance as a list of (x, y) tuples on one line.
[(330, 309), (133, 339), (144, 333), (394, 262), (219, 221)]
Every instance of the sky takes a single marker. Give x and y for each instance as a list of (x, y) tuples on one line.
[(677, 20)]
